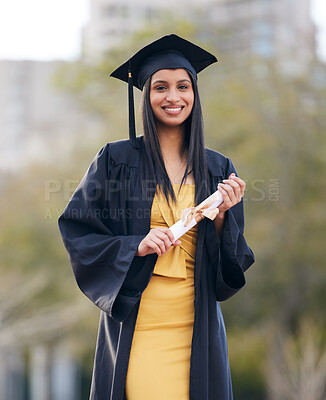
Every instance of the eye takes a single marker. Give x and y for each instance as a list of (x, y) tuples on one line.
[(160, 88), (183, 87)]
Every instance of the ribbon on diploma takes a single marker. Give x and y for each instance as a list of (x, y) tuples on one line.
[(191, 216), (198, 213)]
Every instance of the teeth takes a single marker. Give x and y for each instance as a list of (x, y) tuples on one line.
[(173, 109)]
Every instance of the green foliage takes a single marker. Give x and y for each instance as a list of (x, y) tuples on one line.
[(247, 349)]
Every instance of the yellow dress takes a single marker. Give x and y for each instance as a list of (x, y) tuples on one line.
[(159, 364)]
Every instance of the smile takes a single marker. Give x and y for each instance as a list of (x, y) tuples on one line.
[(172, 109)]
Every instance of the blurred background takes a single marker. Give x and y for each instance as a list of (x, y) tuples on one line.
[(264, 106)]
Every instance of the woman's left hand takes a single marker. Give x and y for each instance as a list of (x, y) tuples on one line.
[(232, 190)]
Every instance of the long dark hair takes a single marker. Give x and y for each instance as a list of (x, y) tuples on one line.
[(153, 168)]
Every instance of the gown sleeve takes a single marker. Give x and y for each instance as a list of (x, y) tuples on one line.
[(230, 253), (100, 258)]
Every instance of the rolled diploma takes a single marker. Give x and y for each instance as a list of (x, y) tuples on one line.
[(178, 229)]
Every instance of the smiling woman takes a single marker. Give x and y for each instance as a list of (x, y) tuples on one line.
[(171, 98), (161, 333)]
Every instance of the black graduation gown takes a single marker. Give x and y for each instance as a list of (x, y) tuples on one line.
[(102, 226)]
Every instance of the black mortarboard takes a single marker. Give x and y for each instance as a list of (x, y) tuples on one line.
[(168, 52)]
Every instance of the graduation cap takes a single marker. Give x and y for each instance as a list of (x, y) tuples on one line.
[(168, 52)]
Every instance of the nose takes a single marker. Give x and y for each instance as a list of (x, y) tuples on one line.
[(172, 95)]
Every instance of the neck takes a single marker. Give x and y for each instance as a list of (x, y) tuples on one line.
[(171, 140)]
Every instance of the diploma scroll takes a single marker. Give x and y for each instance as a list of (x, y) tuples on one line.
[(191, 216)]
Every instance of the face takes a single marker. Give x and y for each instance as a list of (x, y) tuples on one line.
[(171, 96)]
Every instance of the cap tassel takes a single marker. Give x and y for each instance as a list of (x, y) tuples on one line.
[(132, 126)]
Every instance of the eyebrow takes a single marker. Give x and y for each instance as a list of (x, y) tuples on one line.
[(161, 81)]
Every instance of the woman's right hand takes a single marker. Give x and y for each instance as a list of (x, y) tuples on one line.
[(158, 240)]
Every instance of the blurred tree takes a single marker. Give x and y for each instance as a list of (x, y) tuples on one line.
[(297, 365)]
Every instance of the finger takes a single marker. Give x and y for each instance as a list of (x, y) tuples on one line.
[(160, 243), (226, 204), (236, 187), (168, 232), (230, 192), (154, 240), (239, 180), (167, 247), (157, 249), (242, 184), (149, 247), (233, 183), (157, 246), (159, 233)]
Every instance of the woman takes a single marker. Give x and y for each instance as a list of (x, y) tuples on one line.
[(161, 333)]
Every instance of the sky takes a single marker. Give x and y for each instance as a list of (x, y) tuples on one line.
[(51, 29), (42, 29)]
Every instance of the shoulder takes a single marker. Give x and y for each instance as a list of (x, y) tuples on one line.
[(122, 152), (217, 163)]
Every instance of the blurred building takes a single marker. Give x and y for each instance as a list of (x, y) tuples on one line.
[(111, 21), (278, 29), (35, 117), (270, 28)]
